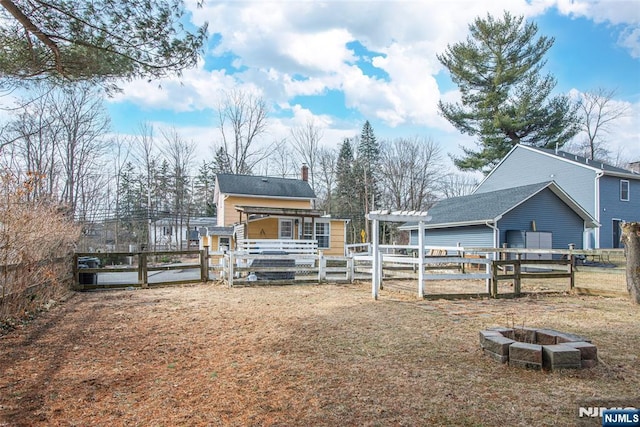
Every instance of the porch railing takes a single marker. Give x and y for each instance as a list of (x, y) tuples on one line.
[(265, 246)]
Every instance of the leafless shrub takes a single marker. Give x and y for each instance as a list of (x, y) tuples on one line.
[(37, 237)]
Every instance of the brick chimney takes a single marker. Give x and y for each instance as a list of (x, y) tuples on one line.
[(305, 172)]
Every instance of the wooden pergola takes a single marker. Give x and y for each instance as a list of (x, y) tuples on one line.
[(397, 216)]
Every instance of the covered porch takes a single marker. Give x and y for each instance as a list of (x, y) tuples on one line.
[(264, 222)]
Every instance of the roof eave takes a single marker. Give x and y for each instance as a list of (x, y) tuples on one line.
[(429, 225), (257, 196)]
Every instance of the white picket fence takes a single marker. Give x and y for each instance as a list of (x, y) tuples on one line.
[(438, 273), (244, 268)]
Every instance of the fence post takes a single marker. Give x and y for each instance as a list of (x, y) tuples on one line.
[(143, 273), (222, 262), (421, 259), (140, 274), (572, 272), (322, 267), (350, 269), (494, 280), (204, 264), (487, 271), (231, 273), (76, 273), (517, 277)]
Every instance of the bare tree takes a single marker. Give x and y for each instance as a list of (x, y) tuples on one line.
[(82, 144), (120, 157), (305, 140), (146, 159), (457, 184), (243, 119), (598, 112), (58, 138), (410, 172), (30, 139), (280, 160), (179, 154), (326, 172)]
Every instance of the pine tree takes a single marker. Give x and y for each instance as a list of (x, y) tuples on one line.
[(100, 40), (505, 100), (132, 212), (204, 186), (222, 163), (367, 167), (348, 204)]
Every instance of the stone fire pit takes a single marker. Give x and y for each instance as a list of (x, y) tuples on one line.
[(538, 348)]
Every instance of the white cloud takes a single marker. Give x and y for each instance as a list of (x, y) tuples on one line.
[(324, 51), (622, 13), (299, 48), (196, 89), (630, 40), (285, 39)]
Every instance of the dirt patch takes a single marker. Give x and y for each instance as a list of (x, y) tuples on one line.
[(302, 355)]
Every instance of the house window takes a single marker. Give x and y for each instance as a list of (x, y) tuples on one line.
[(307, 229), (624, 190), (223, 244), (167, 230), (286, 229), (323, 234)]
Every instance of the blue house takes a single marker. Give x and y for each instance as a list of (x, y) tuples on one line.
[(537, 215), (610, 195)]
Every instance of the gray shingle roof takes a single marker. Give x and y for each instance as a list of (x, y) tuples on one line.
[(482, 206), (251, 185), (584, 161), (488, 207)]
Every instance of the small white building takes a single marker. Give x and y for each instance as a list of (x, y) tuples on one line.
[(184, 234)]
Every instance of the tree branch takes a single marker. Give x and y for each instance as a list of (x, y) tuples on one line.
[(28, 25)]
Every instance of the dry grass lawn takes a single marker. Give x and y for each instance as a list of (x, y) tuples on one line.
[(301, 356)]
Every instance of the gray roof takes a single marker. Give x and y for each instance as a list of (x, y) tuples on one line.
[(251, 185), (488, 207), (219, 231), (586, 162), (204, 221)]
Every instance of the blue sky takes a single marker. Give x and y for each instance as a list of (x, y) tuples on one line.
[(343, 62)]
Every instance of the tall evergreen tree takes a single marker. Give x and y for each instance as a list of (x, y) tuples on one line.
[(132, 210), (222, 163), (204, 185), (162, 194), (505, 99), (348, 204), (367, 168)]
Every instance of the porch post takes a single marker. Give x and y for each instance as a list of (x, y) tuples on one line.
[(421, 259), (375, 263)]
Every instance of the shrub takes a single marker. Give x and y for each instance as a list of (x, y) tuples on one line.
[(37, 238)]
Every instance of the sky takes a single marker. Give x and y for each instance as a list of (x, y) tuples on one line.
[(340, 63)]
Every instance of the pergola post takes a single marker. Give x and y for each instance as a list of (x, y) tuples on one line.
[(375, 263), (399, 216), (421, 259)]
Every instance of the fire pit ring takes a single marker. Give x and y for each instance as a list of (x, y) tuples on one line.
[(538, 348)]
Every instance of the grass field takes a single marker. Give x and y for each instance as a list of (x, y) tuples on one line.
[(304, 355)]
